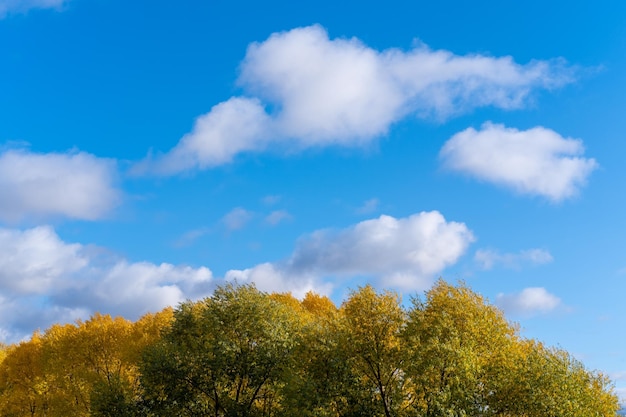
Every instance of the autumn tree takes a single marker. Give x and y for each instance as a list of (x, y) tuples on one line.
[(119, 394), (373, 324), (24, 386), (456, 343), (243, 352), (322, 381), (89, 368), (550, 382)]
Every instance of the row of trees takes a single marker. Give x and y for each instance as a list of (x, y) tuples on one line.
[(243, 352)]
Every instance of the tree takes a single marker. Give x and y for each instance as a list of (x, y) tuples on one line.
[(85, 369), (24, 388), (246, 353), (87, 358), (374, 324), (224, 356), (457, 343), (322, 381), (119, 395), (550, 382)]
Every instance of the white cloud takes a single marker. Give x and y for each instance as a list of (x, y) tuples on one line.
[(537, 161), (237, 218), (277, 216), (44, 280), (325, 91), (488, 258), (234, 126), (530, 301), (131, 289), (404, 253), (274, 278), (31, 261), (74, 185), (22, 6)]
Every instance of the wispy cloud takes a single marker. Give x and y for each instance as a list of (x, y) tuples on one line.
[(529, 302), (75, 185), (537, 161), (404, 253), (489, 258), (270, 200), (368, 206), (237, 218), (22, 6), (342, 92), (189, 238), (277, 216)]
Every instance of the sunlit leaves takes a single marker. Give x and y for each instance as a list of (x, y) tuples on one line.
[(457, 343), (243, 352), (374, 323), (64, 370)]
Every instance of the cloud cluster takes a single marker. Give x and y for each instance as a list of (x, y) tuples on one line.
[(45, 280), (537, 161), (22, 6), (74, 185), (403, 253), (322, 92), (530, 301), (489, 258)]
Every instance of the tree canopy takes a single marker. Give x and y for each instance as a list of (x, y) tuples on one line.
[(244, 352)]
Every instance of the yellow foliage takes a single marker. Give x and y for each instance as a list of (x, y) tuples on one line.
[(451, 353), (318, 305)]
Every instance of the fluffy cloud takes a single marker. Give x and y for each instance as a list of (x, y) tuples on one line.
[(488, 258), (404, 253), (276, 278), (234, 126), (530, 301), (21, 6), (32, 261), (47, 280), (44, 280), (537, 161), (325, 91), (74, 185)]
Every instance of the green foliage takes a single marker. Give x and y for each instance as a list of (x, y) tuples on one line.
[(110, 399), (243, 352), (374, 324), (457, 345), (225, 355)]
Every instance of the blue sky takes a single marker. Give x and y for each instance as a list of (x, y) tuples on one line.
[(150, 150)]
